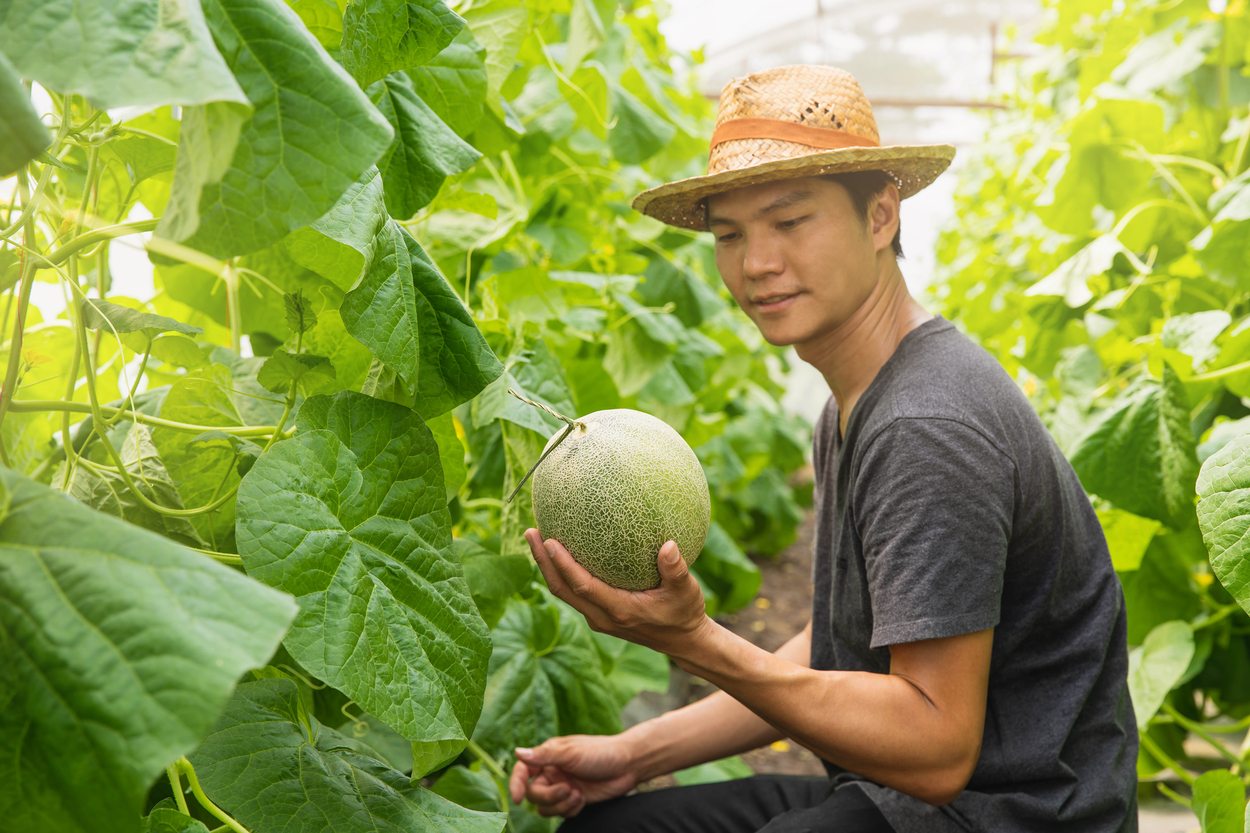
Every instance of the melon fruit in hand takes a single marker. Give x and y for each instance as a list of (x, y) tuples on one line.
[(619, 486)]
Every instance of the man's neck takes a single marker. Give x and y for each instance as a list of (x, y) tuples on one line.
[(850, 356)]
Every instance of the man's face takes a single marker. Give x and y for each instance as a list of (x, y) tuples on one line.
[(796, 256)]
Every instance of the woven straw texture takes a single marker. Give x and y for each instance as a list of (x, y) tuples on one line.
[(813, 96)]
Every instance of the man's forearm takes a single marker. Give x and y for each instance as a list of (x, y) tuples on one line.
[(712, 728), (881, 726)]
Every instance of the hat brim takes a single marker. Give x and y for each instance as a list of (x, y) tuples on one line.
[(680, 203)]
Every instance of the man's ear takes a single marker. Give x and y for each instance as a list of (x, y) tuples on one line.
[(883, 217)]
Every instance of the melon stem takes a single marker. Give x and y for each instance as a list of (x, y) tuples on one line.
[(572, 423)]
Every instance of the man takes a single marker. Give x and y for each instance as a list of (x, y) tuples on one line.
[(965, 666)]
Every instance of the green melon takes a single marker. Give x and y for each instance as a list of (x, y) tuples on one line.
[(619, 486)]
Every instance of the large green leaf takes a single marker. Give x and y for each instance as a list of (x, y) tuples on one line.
[(493, 578), (276, 769), (165, 819), (637, 133), (118, 649), (425, 150), (350, 517), (1224, 515), (726, 570), (453, 83), (1140, 453), (312, 133), (1219, 802), (105, 490), (406, 313), (117, 53), (342, 241), (500, 26), (1156, 666), (114, 318), (545, 679), (22, 134), (630, 668), (382, 36), (202, 397)]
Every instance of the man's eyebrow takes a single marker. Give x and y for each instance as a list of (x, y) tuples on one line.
[(784, 201)]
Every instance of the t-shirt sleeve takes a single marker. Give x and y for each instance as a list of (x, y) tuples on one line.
[(933, 501)]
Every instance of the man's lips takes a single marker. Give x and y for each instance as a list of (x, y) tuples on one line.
[(774, 302)]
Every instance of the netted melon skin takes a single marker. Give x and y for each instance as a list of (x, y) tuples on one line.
[(615, 492)]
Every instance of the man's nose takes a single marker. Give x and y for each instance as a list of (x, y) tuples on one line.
[(761, 259)]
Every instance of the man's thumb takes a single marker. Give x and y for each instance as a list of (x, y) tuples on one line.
[(542, 754), (672, 566)]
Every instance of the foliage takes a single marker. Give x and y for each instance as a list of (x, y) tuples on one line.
[(1102, 254), (369, 219)]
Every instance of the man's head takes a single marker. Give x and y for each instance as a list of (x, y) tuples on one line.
[(800, 256)]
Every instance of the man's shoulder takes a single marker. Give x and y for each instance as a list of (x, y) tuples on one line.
[(944, 377)]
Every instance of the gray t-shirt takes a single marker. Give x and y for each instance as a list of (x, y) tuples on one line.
[(948, 509)]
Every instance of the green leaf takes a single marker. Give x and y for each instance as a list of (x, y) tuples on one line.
[(586, 34), (125, 53), (1163, 58), (245, 451), (1069, 280), (169, 820), (120, 648), (382, 36), (469, 789), (1128, 537), (1160, 589), (179, 350), (311, 374), (425, 151), (311, 135), (726, 769), (208, 137), (500, 27), (407, 314), (110, 317), (1156, 666), (350, 516), (726, 570), (104, 490), (340, 243), (453, 83), (1224, 515), (451, 452), (273, 767), (300, 316), (323, 18), (1140, 453), (202, 397), (1219, 802), (633, 356), (545, 679), (22, 134), (638, 133), (631, 668), (492, 578)]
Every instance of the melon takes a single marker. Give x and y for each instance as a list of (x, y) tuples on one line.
[(619, 486)]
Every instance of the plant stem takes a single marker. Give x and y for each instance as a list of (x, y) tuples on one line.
[(1162, 757), (235, 315), (1173, 794), (221, 815), (71, 456), (26, 406), (175, 781), (29, 205), (19, 323), (224, 557), (1200, 730), (134, 387), (487, 760), (1220, 615), (90, 238)]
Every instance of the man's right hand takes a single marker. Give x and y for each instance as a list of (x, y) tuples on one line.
[(566, 773)]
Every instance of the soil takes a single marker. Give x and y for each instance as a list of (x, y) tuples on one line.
[(780, 611)]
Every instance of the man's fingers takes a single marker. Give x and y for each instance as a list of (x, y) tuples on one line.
[(555, 580), (672, 566), (517, 783), (548, 793), (569, 806)]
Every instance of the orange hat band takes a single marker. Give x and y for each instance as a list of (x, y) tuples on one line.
[(788, 131)]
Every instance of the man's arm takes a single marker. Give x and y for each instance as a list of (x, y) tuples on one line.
[(917, 729), (713, 728)]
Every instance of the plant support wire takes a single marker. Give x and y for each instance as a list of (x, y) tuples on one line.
[(572, 423)]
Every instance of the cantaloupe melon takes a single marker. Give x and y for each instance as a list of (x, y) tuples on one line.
[(616, 489)]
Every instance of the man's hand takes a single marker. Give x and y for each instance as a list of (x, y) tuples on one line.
[(565, 774), (664, 619)]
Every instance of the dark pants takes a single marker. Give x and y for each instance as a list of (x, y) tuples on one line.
[(760, 804)]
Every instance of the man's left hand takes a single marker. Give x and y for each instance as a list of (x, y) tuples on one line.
[(667, 619)]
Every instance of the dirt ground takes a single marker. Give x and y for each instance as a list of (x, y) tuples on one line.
[(780, 611)]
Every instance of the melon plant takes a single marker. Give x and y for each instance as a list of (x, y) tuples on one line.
[(615, 489)]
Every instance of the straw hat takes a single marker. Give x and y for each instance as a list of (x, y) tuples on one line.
[(791, 122)]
